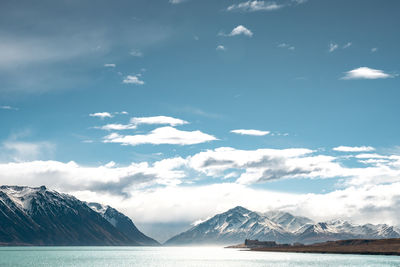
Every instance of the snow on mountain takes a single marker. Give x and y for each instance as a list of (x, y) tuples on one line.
[(232, 226), (38, 216), (123, 223), (238, 224)]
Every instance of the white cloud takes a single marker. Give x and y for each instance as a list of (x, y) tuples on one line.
[(220, 48), (284, 45), (117, 127), (366, 73), (354, 148), (133, 79), (158, 120), (136, 53), (110, 65), (255, 5), (333, 47), (101, 115), (163, 135), (374, 49), (250, 132), (347, 45), (8, 107), (239, 30), (135, 121), (20, 151), (177, 1)]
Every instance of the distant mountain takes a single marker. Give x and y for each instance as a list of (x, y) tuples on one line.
[(233, 226), (238, 224), (38, 216)]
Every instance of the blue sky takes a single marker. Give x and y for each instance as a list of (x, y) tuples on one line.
[(318, 79)]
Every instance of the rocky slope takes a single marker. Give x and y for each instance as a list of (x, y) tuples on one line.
[(38, 216), (238, 224)]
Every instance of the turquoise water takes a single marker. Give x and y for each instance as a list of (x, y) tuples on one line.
[(176, 257)]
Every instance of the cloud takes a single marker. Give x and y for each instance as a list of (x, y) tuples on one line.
[(136, 53), (251, 6), (133, 79), (220, 48), (163, 135), (101, 115), (374, 49), (8, 107), (110, 65), (158, 120), (239, 30), (284, 45), (20, 151), (366, 73), (135, 121), (177, 1), (347, 45), (250, 132), (333, 47), (354, 148)]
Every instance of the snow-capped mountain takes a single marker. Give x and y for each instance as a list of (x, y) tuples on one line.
[(123, 223), (238, 224), (38, 216), (233, 226)]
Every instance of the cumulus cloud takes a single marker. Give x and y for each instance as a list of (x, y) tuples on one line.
[(250, 132), (239, 30), (366, 73), (251, 6), (354, 148), (220, 48), (101, 115), (347, 45), (133, 79), (159, 136), (374, 49), (110, 65)]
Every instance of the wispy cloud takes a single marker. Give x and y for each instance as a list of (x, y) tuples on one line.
[(366, 73), (347, 45), (238, 30), (110, 65), (133, 79), (163, 135), (374, 49), (220, 48), (158, 120), (287, 46), (136, 53), (333, 47), (251, 6), (250, 132), (101, 115), (6, 107), (354, 148), (174, 2)]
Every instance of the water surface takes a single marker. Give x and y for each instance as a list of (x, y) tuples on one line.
[(176, 257)]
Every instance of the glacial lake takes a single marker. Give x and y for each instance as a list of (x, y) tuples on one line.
[(176, 257)]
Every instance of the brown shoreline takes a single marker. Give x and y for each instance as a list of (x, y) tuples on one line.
[(353, 246)]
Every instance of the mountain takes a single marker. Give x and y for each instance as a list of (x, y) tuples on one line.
[(238, 224), (123, 224), (38, 216), (233, 226)]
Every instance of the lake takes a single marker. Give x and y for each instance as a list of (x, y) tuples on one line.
[(177, 256)]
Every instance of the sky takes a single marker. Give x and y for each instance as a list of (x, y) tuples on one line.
[(174, 110)]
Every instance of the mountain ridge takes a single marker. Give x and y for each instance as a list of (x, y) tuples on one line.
[(239, 223), (39, 216)]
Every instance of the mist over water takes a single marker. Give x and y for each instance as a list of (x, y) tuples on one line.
[(176, 257)]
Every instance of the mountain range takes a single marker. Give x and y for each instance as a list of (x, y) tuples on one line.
[(38, 216), (238, 224)]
